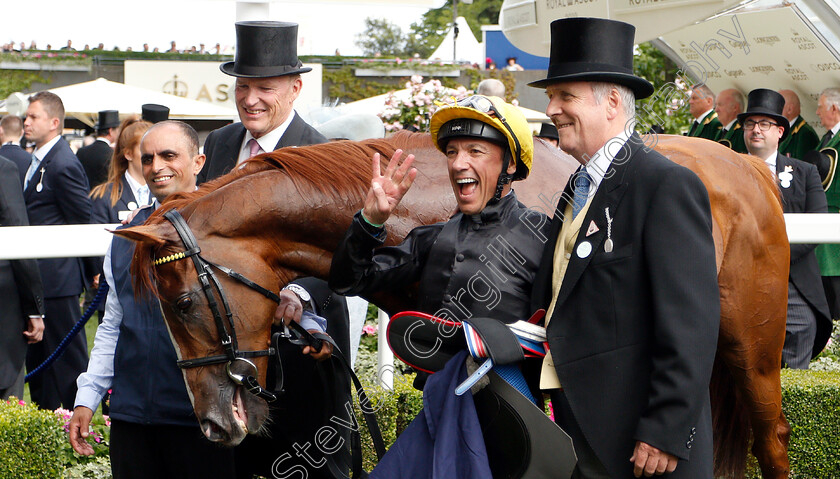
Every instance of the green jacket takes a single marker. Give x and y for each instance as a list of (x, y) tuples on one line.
[(709, 127), (828, 255), (734, 137), (801, 140)]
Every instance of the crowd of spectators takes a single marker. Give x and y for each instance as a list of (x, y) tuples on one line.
[(201, 49)]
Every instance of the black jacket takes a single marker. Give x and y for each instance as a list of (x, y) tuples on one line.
[(21, 294), (222, 146), (19, 157), (471, 266), (634, 331), (62, 200), (805, 194), (96, 159)]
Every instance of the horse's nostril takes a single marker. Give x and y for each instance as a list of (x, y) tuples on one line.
[(213, 431)]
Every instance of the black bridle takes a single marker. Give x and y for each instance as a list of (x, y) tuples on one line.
[(302, 337), (209, 281)]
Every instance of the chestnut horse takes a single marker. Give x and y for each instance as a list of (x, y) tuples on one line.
[(282, 215)]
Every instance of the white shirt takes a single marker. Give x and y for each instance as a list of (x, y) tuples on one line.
[(835, 128), (267, 142), (704, 115), (135, 190), (731, 124), (40, 153), (771, 162), (103, 140), (599, 165)]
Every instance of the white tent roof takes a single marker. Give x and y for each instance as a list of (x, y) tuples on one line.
[(467, 49), (85, 100), (375, 105)]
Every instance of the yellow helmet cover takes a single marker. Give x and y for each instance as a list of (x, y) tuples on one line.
[(493, 111)]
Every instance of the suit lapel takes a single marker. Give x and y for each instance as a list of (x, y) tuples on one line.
[(293, 133), (36, 177), (127, 196), (230, 152), (609, 195), (789, 192)]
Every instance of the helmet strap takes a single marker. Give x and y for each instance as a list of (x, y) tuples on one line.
[(504, 177)]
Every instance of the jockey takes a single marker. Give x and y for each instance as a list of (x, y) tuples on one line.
[(479, 264), (482, 261)]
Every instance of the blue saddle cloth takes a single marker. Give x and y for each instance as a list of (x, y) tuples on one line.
[(444, 440)]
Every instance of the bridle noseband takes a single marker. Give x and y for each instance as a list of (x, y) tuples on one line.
[(206, 276)]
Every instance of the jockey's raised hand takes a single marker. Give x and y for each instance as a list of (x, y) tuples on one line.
[(387, 189)]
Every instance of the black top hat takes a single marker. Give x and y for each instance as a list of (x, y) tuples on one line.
[(154, 113), (762, 101), (265, 49), (108, 119), (548, 130), (593, 49)]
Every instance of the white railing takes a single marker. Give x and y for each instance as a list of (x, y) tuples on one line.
[(18, 242)]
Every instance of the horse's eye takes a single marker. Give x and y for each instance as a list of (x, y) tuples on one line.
[(184, 304)]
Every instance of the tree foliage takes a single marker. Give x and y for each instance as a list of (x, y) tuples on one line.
[(425, 36), (668, 106), (381, 37)]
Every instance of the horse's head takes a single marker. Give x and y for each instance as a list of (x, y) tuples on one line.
[(195, 308)]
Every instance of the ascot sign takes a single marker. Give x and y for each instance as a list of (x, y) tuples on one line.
[(203, 81), (526, 23)]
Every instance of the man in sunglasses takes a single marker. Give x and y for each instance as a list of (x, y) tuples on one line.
[(628, 276), (808, 319)]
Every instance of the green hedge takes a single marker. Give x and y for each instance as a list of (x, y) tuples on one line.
[(811, 403), (810, 400), (29, 439)]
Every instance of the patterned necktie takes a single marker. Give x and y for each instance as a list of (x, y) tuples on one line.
[(825, 139), (33, 167), (254, 147), (582, 182), (143, 195)]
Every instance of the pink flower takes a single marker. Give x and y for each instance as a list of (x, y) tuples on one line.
[(21, 402), (369, 329)]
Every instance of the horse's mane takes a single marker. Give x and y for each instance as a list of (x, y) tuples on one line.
[(334, 168)]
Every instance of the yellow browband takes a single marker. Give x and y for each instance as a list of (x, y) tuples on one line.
[(167, 259)]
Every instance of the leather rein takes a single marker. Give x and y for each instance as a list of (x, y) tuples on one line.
[(209, 282)]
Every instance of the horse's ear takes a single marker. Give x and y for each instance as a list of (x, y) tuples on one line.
[(148, 234)]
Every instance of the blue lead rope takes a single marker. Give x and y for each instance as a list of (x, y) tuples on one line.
[(100, 294)]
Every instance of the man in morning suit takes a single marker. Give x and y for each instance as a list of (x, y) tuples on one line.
[(825, 157), (21, 294), (11, 130), (267, 83), (729, 104), (96, 157), (802, 137), (56, 193), (701, 104), (808, 320), (628, 275)]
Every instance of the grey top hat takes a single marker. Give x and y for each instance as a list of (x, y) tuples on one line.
[(769, 103), (593, 49), (264, 50), (154, 113), (108, 119)]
